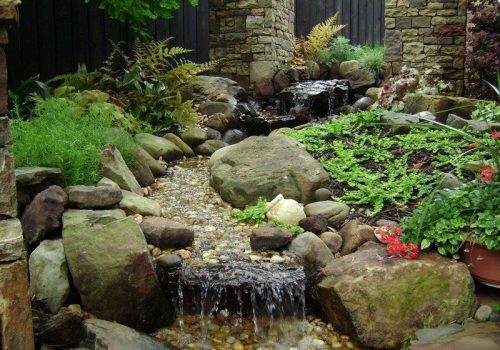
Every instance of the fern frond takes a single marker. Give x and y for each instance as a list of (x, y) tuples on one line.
[(319, 38)]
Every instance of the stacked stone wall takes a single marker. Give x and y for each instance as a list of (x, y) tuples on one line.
[(426, 33), (251, 37), (15, 312)]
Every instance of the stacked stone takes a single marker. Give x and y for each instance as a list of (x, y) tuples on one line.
[(251, 36), (426, 33), (15, 312)]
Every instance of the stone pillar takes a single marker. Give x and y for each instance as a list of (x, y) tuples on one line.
[(15, 312), (252, 37), (425, 33)]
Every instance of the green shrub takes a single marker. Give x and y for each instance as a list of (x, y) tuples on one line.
[(340, 50), (64, 135), (371, 59)]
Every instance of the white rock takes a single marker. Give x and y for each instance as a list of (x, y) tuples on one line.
[(288, 211)]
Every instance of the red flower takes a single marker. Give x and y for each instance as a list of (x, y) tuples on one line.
[(487, 173), (495, 135), (412, 251)]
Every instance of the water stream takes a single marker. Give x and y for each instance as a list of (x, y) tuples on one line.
[(225, 295)]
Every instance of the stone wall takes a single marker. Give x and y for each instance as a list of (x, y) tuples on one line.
[(15, 312), (425, 33), (251, 36)]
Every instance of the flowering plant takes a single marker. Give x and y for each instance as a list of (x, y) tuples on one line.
[(395, 248), (409, 81)]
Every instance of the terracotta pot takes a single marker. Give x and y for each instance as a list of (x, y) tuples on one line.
[(483, 264)]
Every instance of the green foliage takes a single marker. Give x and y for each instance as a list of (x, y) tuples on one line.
[(447, 218), (371, 59), (139, 12), (294, 229), (65, 135), (340, 50), (487, 111), (147, 87), (255, 214), (380, 170)]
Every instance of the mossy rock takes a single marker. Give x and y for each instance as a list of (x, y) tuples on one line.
[(379, 300)]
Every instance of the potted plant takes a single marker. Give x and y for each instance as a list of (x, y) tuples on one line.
[(465, 222)]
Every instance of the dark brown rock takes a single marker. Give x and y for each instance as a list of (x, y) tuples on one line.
[(64, 329), (316, 224), (281, 80), (269, 238), (43, 214), (93, 197), (164, 233)]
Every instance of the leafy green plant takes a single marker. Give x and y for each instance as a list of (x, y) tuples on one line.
[(487, 111), (139, 12), (379, 170), (294, 229), (65, 135), (340, 50), (255, 214), (371, 59), (448, 217)]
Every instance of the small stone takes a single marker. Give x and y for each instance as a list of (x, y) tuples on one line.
[(288, 211), (322, 194), (483, 313), (333, 241), (169, 261), (269, 238), (335, 212), (316, 224), (276, 259), (184, 254)]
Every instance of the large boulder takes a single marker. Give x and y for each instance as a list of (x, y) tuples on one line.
[(142, 172), (114, 273), (63, 330), (30, 176), (114, 168), (265, 167), (93, 197), (49, 281), (91, 218), (379, 301), (441, 105), (104, 335), (194, 136), (203, 87), (159, 147), (156, 167), (135, 204), (164, 233), (314, 253), (43, 215)]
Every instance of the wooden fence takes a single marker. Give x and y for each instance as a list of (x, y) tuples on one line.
[(364, 18), (55, 36)]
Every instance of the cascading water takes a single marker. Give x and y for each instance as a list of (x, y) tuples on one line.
[(317, 98), (227, 296)]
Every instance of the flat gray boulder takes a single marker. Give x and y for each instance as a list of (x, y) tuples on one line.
[(93, 197), (134, 204), (164, 233), (265, 166)]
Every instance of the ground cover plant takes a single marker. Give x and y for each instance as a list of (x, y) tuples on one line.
[(386, 173), (447, 218), (65, 135)]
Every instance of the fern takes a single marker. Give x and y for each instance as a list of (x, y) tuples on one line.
[(319, 38)]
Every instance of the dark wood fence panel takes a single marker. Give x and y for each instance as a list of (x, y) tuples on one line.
[(55, 36), (364, 18)]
